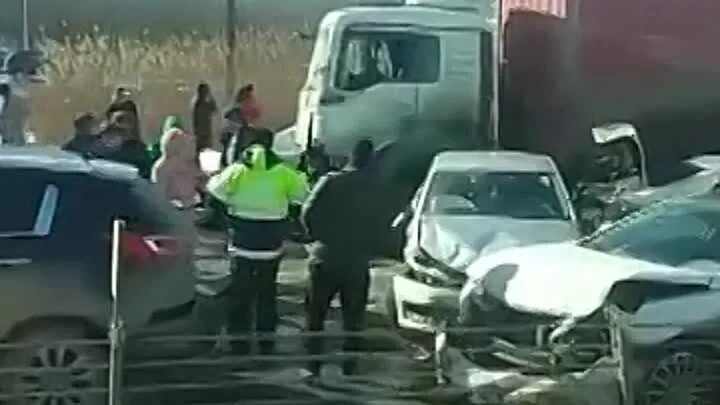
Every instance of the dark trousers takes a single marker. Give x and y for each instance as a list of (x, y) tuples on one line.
[(351, 280), (253, 289)]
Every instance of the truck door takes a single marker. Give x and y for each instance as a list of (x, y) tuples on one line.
[(452, 102), (373, 85)]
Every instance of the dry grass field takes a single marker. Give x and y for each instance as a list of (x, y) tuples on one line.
[(84, 68)]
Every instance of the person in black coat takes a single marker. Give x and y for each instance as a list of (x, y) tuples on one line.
[(117, 143), (340, 215), (122, 102), (204, 108), (86, 133)]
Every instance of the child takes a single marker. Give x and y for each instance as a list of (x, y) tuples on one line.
[(177, 172)]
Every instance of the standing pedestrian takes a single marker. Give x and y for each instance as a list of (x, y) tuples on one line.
[(177, 172), (86, 133), (122, 101), (170, 122), (203, 110), (14, 116), (117, 143), (257, 191), (341, 216), (248, 104), (238, 135)]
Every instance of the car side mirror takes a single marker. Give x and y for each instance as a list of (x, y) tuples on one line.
[(402, 218)]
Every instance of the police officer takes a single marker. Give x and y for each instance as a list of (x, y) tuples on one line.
[(257, 191), (341, 216)]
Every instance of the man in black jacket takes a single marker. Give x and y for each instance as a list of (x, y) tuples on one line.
[(340, 215), (117, 143), (86, 133), (122, 102)]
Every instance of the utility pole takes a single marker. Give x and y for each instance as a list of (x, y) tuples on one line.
[(25, 24), (231, 42), (497, 68)]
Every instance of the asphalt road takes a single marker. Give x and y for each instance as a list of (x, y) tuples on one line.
[(386, 375)]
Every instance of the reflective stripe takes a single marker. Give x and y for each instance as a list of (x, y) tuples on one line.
[(235, 251), (257, 216)]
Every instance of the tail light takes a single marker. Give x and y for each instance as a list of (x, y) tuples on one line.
[(139, 247)]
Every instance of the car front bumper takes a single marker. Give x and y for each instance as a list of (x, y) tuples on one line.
[(420, 305)]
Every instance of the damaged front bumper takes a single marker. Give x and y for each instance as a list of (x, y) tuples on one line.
[(420, 304)]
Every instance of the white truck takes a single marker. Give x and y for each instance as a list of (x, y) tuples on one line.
[(532, 75)]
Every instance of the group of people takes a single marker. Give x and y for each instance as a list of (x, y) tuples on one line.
[(260, 196), (172, 160)]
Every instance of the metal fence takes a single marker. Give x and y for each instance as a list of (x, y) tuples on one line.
[(493, 365), (613, 361)]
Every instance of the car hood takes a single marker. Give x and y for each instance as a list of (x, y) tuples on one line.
[(564, 279), (456, 241), (699, 183)]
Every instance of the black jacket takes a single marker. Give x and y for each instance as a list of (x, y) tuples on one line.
[(80, 143), (235, 140), (341, 215), (130, 151)]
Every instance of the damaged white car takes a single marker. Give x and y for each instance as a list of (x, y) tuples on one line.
[(622, 180), (545, 306), (473, 203)]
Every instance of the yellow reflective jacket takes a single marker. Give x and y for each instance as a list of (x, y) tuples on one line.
[(259, 187)]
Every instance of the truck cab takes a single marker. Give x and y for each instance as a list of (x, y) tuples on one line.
[(390, 72)]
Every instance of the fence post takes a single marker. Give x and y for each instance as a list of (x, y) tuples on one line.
[(619, 348), (117, 330), (440, 346)]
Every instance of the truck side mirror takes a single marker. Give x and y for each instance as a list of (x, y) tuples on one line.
[(302, 35)]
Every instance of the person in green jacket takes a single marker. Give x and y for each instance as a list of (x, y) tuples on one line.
[(171, 122), (257, 191)]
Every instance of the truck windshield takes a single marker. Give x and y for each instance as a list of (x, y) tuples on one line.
[(522, 195), (370, 57)]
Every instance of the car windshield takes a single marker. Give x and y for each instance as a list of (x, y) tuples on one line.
[(671, 234), (522, 195)]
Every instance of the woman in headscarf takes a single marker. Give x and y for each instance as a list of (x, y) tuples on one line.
[(177, 172), (171, 122), (203, 110)]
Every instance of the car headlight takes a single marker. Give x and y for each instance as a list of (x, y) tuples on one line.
[(435, 273)]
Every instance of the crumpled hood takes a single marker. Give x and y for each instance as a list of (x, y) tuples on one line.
[(458, 240), (564, 279)]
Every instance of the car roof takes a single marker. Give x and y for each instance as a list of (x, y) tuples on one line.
[(54, 159), (500, 161)]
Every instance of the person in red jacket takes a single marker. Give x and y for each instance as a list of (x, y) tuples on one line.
[(249, 107)]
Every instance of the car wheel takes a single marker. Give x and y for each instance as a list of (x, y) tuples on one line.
[(679, 378), (55, 370)]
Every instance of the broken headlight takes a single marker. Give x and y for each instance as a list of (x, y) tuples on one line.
[(433, 272)]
